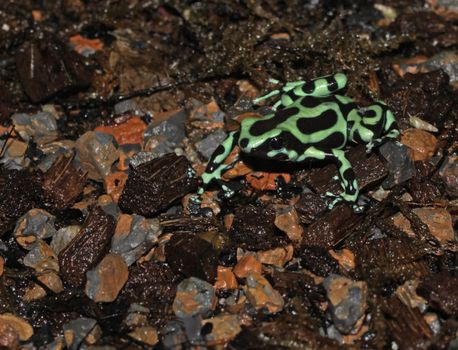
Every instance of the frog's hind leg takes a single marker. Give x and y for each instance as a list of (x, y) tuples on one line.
[(319, 87), (346, 175), (377, 125), (216, 167)]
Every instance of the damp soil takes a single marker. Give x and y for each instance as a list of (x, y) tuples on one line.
[(183, 74)]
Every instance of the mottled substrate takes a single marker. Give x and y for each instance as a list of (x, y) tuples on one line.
[(96, 237)]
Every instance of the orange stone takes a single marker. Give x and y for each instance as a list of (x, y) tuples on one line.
[(246, 265), (114, 184), (422, 143), (265, 181), (130, 132), (82, 44), (276, 256), (225, 278)]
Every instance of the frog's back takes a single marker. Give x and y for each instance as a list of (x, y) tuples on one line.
[(317, 121)]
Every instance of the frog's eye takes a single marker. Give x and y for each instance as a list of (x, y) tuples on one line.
[(275, 143)]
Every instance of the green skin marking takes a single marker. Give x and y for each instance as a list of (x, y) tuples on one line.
[(309, 121)]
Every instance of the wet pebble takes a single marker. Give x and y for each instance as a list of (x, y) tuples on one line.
[(194, 297), (14, 154), (207, 146), (261, 294), (223, 328), (422, 143), (146, 335), (128, 132), (276, 256), (347, 300), (438, 220), (40, 127), (51, 151), (9, 338), (96, 152), (399, 163), (21, 327), (247, 264), (287, 220), (63, 237), (134, 236), (41, 258), (106, 280), (448, 172), (225, 278), (345, 258), (80, 332), (114, 184), (36, 223), (162, 137)]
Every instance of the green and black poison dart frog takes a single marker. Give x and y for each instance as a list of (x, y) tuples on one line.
[(309, 121)]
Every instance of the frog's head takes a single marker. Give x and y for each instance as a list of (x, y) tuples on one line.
[(259, 139)]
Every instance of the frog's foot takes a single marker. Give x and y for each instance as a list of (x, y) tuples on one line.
[(227, 192), (335, 199), (342, 197), (357, 208)]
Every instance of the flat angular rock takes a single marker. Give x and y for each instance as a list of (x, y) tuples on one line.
[(105, 281), (47, 68), (224, 328), (194, 297), (399, 163), (347, 301), (36, 223), (21, 326), (40, 127), (448, 173), (63, 182), (41, 258), (80, 332), (134, 236), (87, 248), (96, 152), (261, 294), (153, 186)]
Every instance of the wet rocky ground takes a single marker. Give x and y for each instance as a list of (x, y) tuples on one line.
[(109, 112)]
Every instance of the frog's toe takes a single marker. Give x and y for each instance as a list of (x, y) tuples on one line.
[(358, 208), (369, 147), (196, 199), (227, 192)]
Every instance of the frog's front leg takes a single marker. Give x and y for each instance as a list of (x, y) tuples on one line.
[(346, 175), (216, 166)]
